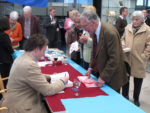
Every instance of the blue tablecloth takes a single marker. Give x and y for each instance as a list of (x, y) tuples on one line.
[(113, 103)]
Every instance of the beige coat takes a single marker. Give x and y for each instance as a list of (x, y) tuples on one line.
[(26, 83), (140, 49)]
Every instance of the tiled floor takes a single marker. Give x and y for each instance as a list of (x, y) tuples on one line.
[(145, 93)]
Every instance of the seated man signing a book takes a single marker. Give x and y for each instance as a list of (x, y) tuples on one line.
[(26, 82)]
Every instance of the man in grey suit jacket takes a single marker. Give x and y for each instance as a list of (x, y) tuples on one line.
[(110, 67), (27, 83)]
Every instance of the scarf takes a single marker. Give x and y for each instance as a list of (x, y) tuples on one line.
[(135, 29), (12, 28)]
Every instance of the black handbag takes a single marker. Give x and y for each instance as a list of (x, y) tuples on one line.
[(75, 56)]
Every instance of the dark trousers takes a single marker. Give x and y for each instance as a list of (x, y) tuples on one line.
[(53, 44), (125, 89), (137, 88), (84, 64), (22, 43), (4, 71)]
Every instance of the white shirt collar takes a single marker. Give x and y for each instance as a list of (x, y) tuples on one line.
[(121, 17), (145, 19), (98, 31), (35, 59), (51, 17)]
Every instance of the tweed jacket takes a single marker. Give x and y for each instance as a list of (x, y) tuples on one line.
[(72, 37), (26, 85), (109, 57), (34, 27), (140, 49)]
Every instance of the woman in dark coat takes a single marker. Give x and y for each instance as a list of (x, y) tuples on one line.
[(6, 51)]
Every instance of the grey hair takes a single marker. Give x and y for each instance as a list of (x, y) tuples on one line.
[(138, 14), (74, 14), (89, 15), (14, 15), (27, 9)]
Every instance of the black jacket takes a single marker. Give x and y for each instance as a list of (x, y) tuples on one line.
[(50, 29), (147, 21), (120, 25), (5, 48)]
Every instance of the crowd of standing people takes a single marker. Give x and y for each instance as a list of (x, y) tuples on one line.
[(99, 50)]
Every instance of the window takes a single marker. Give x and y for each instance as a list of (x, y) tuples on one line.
[(88, 2), (148, 4), (139, 3)]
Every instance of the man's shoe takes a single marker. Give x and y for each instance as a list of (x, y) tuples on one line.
[(137, 103)]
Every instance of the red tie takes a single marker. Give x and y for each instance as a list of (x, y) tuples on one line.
[(94, 53)]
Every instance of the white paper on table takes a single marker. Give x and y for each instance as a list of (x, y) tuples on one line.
[(61, 92), (74, 47), (44, 63), (48, 55), (88, 82), (58, 76)]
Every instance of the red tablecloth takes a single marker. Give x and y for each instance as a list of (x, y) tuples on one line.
[(55, 101)]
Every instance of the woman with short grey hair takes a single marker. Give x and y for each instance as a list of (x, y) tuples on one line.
[(15, 31), (138, 14), (14, 15), (137, 37)]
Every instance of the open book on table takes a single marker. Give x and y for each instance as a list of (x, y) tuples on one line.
[(57, 76)]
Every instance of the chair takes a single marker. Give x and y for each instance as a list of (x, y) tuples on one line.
[(2, 91)]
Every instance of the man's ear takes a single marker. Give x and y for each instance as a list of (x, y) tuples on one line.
[(36, 49), (94, 22)]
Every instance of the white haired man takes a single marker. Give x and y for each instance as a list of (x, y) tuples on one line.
[(30, 24), (107, 61)]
